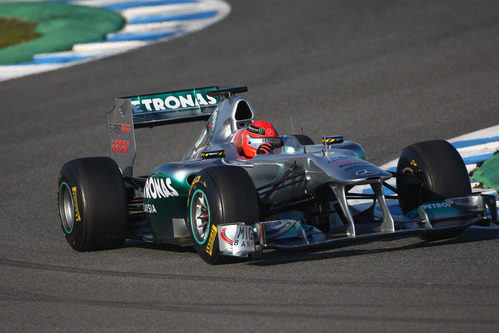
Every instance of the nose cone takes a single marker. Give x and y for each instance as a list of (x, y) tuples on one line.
[(352, 170)]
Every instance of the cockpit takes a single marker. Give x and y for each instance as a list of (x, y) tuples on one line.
[(223, 123)]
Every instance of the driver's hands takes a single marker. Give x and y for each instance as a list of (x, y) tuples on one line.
[(265, 148)]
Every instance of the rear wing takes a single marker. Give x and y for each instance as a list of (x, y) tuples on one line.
[(176, 106), (153, 110)]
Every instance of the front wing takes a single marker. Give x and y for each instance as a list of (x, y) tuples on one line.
[(441, 217)]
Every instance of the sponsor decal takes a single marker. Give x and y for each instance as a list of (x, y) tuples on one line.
[(157, 188), (150, 208), (243, 235), (244, 242), (172, 102), (237, 239), (75, 202), (114, 128), (253, 129), (261, 131), (213, 154), (329, 140), (440, 210), (211, 240), (196, 180), (413, 163), (436, 205), (125, 129), (119, 128), (120, 146), (225, 237), (365, 173)]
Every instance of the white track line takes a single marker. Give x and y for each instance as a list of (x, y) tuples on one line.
[(131, 36)]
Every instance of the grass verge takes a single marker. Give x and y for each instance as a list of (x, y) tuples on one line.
[(16, 31)]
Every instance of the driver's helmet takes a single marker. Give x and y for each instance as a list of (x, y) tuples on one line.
[(259, 138)]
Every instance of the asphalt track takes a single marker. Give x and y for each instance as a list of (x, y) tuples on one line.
[(384, 73)]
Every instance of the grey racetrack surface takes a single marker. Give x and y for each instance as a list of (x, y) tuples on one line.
[(383, 73)]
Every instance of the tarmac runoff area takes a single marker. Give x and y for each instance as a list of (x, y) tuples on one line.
[(144, 22)]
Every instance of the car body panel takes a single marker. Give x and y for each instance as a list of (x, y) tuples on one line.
[(286, 178)]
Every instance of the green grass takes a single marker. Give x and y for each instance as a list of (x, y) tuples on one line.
[(60, 25), (15, 31)]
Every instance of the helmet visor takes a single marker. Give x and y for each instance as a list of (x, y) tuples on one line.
[(257, 142)]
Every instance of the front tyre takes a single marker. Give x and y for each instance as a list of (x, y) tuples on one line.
[(222, 194), (92, 204), (431, 171)]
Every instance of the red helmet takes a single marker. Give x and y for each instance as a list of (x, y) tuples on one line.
[(259, 137)]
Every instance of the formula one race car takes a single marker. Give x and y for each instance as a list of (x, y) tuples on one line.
[(242, 188)]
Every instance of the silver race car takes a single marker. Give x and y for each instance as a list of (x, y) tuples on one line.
[(242, 188)]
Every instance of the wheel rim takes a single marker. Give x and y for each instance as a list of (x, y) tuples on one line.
[(200, 217), (66, 208)]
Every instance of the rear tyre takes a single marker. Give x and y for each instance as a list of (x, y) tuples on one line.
[(431, 171), (92, 204), (218, 195)]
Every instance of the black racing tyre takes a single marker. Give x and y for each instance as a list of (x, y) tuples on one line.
[(431, 171), (304, 139), (92, 204), (221, 194)]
